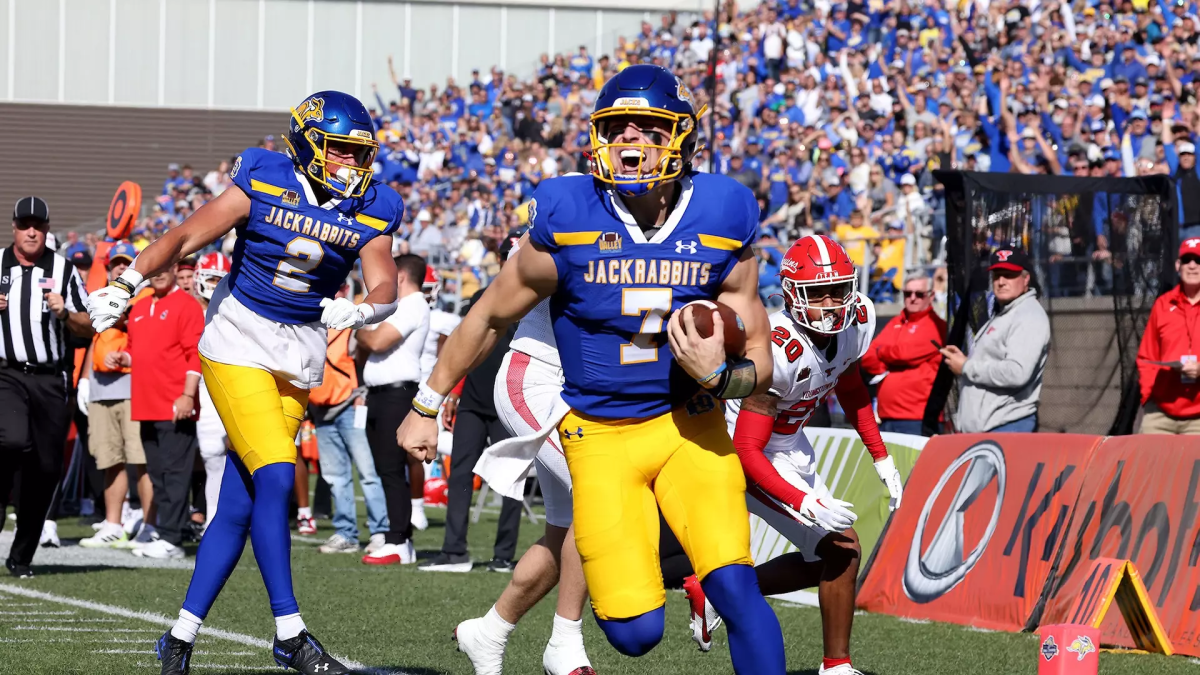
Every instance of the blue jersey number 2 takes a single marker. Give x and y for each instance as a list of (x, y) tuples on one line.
[(305, 255)]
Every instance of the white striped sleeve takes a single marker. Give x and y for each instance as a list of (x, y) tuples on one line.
[(75, 295)]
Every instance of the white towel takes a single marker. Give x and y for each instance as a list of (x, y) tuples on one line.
[(504, 465)]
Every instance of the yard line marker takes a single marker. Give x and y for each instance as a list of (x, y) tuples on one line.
[(70, 621), (906, 619), (150, 617), (63, 613)]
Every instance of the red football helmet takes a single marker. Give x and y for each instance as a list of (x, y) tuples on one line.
[(816, 269), (436, 491), (432, 285), (211, 268)]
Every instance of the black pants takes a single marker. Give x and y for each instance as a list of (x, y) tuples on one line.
[(386, 409), (473, 432), (34, 419), (170, 453)]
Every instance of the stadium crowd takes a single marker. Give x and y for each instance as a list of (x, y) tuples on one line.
[(836, 115)]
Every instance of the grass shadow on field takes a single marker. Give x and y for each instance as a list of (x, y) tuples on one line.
[(52, 570), (398, 670)]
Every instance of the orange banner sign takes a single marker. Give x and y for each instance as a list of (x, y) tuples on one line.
[(1140, 501), (975, 538)]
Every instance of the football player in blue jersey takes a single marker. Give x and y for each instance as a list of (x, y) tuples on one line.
[(618, 252), (302, 219)]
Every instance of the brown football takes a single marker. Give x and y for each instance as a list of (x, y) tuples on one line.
[(735, 330)]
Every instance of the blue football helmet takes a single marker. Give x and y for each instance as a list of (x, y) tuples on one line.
[(331, 117), (645, 91)]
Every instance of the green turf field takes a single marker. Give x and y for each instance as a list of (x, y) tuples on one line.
[(399, 620)]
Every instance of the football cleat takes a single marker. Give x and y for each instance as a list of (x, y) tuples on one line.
[(18, 570), (392, 554), (705, 619), (159, 549), (337, 543), (305, 654), (108, 535), (566, 660), (50, 535), (486, 653), (306, 526), (843, 669), (175, 654), (500, 565)]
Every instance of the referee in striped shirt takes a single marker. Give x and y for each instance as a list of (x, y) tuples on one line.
[(41, 298)]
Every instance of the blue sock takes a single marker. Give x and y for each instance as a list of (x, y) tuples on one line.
[(755, 640), (223, 541), (636, 635), (270, 536)]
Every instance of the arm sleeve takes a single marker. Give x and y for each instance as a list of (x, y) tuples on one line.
[(1021, 357), (856, 403), (750, 436), (1148, 351)]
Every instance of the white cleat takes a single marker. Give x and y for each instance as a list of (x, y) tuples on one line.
[(486, 654), (376, 542), (704, 618), (844, 669), (50, 535), (110, 535), (566, 660), (159, 549), (419, 520), (392, 554)]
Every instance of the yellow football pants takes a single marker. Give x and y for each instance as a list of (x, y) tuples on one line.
[(261, 412), (623, 472)]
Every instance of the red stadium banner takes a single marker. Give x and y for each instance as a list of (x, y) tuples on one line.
[(975, 539), (1140, 501)]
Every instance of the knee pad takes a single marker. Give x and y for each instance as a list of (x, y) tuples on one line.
[(636, 635)]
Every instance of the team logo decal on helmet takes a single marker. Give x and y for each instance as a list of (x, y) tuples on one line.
[(644, 96), (210, 269), (312, 109), (333, 119), (819, 279)]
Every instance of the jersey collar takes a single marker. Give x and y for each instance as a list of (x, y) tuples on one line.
[(312, 196), (635, 230)]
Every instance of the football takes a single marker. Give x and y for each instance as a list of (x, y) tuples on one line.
[(735, 330)]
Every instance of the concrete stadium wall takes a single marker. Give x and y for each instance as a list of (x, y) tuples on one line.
[(76, 156), (269, 54)]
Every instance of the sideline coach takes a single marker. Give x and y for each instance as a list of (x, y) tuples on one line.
[(41, 298)]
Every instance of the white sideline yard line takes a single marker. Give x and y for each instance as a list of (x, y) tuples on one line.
[(63, 613), (59, 621), (149, 617), (73, 629)]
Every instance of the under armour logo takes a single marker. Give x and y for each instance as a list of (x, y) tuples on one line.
[(321, 667), (1003, 256), (689, 246), (578, 433), (343, 218)]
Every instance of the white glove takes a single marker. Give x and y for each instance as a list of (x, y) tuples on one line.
[(832, 515), (105, 307), (890, 476), (342, 313), (84, 395)]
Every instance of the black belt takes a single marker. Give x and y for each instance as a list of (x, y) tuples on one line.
[(393, 385), (31, 368)]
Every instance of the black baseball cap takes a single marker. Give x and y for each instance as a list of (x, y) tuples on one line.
[(1011, 259), (31, 207)]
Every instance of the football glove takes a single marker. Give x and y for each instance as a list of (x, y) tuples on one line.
[(890, 476), (106, 305), (342, 313), (84, 395), (827, 513)]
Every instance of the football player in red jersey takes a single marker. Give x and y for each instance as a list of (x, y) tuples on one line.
[(817, 340)]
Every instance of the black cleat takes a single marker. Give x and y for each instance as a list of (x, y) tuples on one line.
[(175, 654), (500, 565), (304, 654), (18, 570)]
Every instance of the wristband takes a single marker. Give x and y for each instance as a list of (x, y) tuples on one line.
[(738, 381), (129, 280), (427, 402), (374, 312), (712, 376)]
